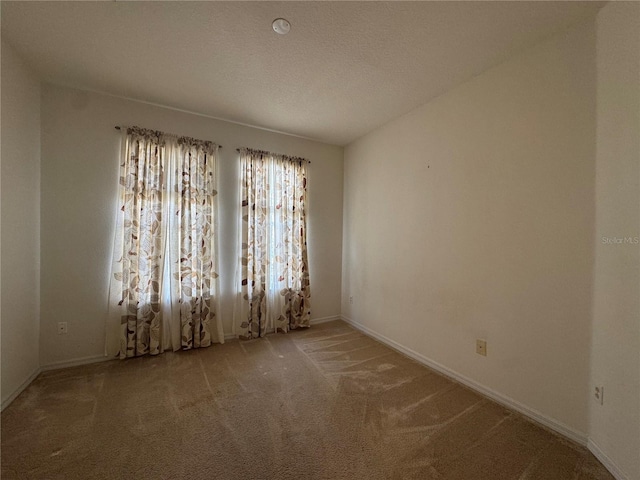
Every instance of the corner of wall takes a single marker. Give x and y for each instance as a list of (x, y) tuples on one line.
[(614, 425), (20, 237)]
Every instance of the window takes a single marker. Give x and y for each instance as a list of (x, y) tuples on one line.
[(163, 284), (273, 286)]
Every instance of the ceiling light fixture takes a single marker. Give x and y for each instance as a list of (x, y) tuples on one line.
[(281, 26)]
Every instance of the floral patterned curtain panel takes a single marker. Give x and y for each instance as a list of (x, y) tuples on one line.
[(193, 243), (274, 293), (163, 283)]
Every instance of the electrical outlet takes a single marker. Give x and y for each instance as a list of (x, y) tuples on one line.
[(351, 300), (481, 347), (598, 394), (62, 328)]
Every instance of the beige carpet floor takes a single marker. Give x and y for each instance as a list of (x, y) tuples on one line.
[(322, 403)]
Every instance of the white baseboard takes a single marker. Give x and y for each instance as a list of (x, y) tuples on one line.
[(606, 461), (7, 401), (504, 400), (74, 362), (317, 321)]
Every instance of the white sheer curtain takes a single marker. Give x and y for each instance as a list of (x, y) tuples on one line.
[(273, 281), (163, 290)]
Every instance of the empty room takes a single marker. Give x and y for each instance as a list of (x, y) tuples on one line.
[(320, 240)]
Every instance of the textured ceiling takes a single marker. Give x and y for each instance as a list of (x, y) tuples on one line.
[(345, 68)]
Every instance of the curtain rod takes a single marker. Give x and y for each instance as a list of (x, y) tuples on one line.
[(118, 127), (269, 153)]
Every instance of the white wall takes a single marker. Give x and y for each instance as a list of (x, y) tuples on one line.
[(20, 223), (615, 360), (80, 150), (473, 217)]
